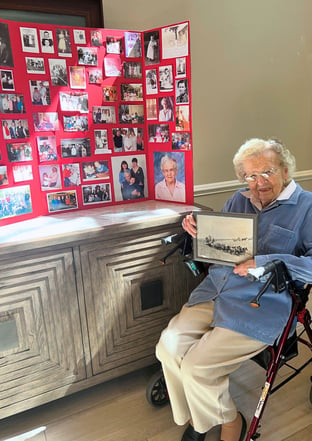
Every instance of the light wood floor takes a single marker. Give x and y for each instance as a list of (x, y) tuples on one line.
[(118, 411)]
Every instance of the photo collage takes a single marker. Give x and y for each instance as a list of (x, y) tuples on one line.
[(92, 118)]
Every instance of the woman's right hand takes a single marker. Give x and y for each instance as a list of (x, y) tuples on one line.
[(189, 225)]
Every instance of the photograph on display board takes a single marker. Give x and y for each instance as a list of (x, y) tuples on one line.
[(50, 177), (74, 102), (133, 44), (132, 70), (181, 67), (175, 41), (6, 56), (96, 193), (182, 91), (129, 176), (47, 148), (101, 142), (18, 152), (71, 175), (46, 40), (158, 133), (131, 92), (62, 200), (4, 175), (29, 39), (104, 115), (92, 170), (110, 93), (151, 81), (75, 147), (114, 45), (63, 43), (15, 201), (96, 38), (151, 47), (165, 79), (128, 139), (166, 112), (87, 56), (35, 65), (12, 103), (58, 72), (181, 141), (77, 77), (15, 128), (112, 66), (75, 123), (131, 113), (182, 118), (40, 92), (46, 121), (79, 36), (95, 76), (151, 108), (22, 173), (169, 173), (7, 80)]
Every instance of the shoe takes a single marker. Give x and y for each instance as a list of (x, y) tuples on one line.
[(243, 429), (190, 434)]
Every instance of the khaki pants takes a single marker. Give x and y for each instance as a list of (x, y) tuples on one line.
[(197, 361)]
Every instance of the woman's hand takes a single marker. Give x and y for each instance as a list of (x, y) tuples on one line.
[(242, 268), (189, 225)]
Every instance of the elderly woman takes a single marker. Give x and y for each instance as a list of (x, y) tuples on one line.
[(217, 329)]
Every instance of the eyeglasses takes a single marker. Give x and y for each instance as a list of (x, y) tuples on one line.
[(266, 175)]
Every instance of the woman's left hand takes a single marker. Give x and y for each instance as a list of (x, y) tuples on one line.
[(242, 268)]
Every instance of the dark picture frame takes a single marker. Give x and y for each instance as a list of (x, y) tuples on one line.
[(225, 238)]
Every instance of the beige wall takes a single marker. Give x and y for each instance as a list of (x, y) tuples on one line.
[(251, 76)]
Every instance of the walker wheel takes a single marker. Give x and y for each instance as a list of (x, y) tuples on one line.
[(156, 390)]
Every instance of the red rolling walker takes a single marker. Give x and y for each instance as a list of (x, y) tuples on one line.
[(273, 357)]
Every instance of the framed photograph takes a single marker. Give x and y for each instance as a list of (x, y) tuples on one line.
[(225, 238)]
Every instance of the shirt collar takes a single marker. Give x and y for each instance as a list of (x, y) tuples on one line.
[(283, 196)]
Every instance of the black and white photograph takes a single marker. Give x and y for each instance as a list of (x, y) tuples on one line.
[(62, 201), (182, 91), (101, 142), (96, 38), (74, 102), (166, 108), (226, 238), (131, 92), (104, 115), (29, 39), (165, 78), (181, 141), (47, 148), (50, 177), (12, 103), (75, 148), (79, 36), (151, 81), (22, 173), (175, 41), (180, 67), (58, 72), (151, 48), (71, 175), (158, 133), (63, 42), (46, 41), (15, 201), (87, 56), (15, 128), (4, 175), (96, 193), (129, 177), (131, 113), (6, 56), (46, 121), (114, 45), (35, 65), (133, 44), (132, 70), (40, 92), (7, 80), (75, 123), (93, 170), (19, 152)]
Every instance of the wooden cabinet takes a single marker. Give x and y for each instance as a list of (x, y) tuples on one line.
[(82, 306)]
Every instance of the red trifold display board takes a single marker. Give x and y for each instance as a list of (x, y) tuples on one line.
[(92, 118)]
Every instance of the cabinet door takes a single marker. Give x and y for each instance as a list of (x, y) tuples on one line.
[(41, 352), (130, 297)]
